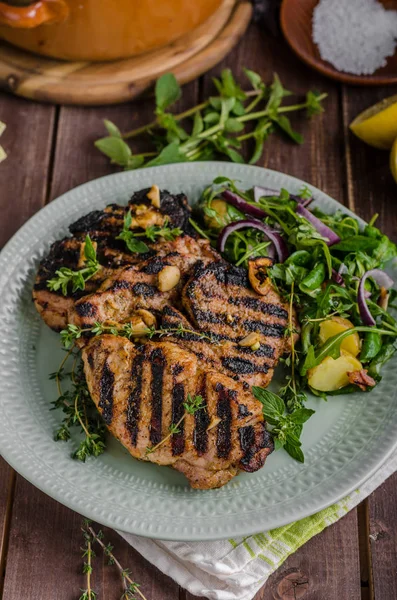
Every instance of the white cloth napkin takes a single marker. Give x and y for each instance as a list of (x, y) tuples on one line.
[(237, 569)]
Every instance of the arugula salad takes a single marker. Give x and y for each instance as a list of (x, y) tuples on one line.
[(330, 270)]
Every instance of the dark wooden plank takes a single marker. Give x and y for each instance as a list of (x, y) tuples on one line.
[(382, 507), (371, 189), (27, 140), (44, 558), (326, 567), (7, 479)]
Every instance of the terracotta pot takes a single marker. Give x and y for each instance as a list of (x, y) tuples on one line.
[(99, 29)]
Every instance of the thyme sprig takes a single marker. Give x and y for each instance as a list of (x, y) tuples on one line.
[(79, 410), (88, 554), (191, 406), (130, 587), (73, 332), (66, 279)]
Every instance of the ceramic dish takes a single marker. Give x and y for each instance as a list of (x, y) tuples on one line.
[(296, 23), (345, 442)]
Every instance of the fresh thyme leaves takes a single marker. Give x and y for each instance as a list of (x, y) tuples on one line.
[(164, 231), (286, 428), (191, 406), (66, 278), (152, 233), (73, 333), (133, 244), (130, 588), (79, 410), (216, 127)]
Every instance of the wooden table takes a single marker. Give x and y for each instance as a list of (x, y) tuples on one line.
[(51, 151)]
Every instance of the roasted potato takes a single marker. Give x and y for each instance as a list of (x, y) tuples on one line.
[(332, 374), (336, 325), (218, 222)]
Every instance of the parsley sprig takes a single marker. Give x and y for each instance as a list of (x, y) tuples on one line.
[(214, 128), (129, 237), (66, 279)]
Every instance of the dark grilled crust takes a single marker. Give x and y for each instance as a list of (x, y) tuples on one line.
[(226, 435)]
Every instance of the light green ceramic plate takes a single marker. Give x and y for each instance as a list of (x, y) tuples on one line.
[(344, 442)]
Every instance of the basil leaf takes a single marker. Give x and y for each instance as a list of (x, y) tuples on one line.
[(170, 154), (285, 124), (167, 91), (115, 148), (295, 452), (255, 79), (198, 124), (301, 415), (89, 250), (273, 406), (112, 129)]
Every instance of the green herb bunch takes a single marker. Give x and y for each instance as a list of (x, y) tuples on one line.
[(214, 128)]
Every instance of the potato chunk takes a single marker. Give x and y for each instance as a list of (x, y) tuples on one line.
[(336, 325), (220, 220), (332, 374)]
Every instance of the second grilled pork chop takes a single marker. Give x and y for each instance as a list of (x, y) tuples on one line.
[(103, 226), (140, 392)]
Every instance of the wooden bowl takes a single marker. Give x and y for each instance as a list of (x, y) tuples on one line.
[(296, 24)]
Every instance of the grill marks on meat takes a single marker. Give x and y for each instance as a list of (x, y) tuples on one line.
[(140, 390), (103, 226), (210, 446), (137, 286)]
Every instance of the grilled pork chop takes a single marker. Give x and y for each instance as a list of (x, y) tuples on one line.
[(103, 226), (140, 392), (140, 389)]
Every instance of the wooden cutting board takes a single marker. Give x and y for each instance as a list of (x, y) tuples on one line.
[(89, 83)]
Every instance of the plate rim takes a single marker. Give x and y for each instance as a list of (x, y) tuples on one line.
[(93, 511)]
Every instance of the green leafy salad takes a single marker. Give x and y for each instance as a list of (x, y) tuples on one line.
[(330, 271)]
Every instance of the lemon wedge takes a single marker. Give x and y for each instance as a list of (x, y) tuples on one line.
[(377, 126), (393, 160)]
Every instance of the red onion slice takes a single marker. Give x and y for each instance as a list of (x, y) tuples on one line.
[(337, 277), (276, 239), (243, 205), (322, 229), (260, 192), (383, 280)]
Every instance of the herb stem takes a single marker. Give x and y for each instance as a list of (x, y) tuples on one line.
[(167, 437), (178, 117), (109, 553), (281, 109), (77, 413), (89, 569)]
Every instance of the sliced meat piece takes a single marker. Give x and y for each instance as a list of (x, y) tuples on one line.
[(137, 286), (218, 300), (140, 392)]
